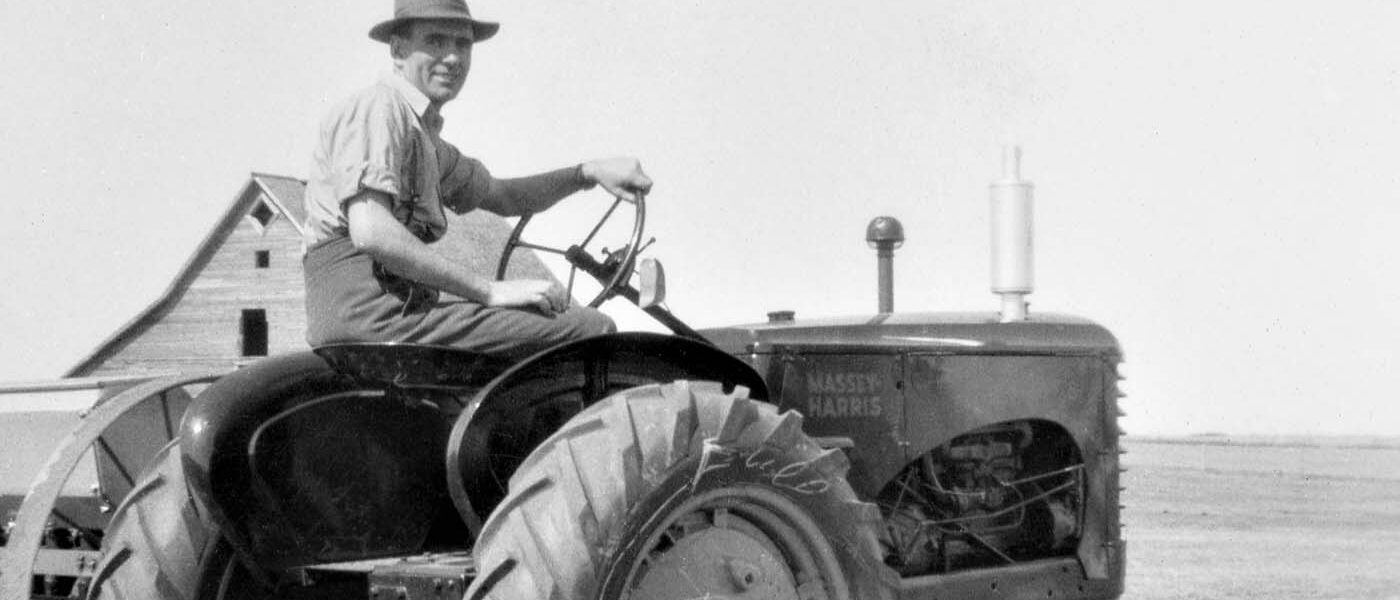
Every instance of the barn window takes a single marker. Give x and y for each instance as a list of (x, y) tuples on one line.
[(254, 328), (262, 213), (262, 259)]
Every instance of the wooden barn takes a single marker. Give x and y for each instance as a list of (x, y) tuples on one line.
[(240, 296)]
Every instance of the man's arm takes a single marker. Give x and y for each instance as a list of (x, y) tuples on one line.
[(376, 232), (528, 195)]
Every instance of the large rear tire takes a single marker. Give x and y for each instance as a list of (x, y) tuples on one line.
[(680, 491), (161, 547), (158, 546)]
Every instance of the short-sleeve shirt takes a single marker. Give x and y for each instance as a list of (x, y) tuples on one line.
[(383, 138)]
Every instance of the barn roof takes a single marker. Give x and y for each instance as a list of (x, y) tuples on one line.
[(475, 238)]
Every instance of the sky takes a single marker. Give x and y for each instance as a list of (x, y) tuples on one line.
[(1214, 181)]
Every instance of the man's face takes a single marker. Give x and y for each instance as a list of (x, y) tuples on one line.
[(435, 57)]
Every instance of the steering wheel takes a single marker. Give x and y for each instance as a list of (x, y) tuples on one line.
[(616, 268)]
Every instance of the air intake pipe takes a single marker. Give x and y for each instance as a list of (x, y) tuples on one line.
[(885, 234), (1013, 268)]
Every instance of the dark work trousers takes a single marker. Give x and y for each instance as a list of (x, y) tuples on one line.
[(347, 302)]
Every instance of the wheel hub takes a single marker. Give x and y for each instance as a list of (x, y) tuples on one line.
[(727, 558)]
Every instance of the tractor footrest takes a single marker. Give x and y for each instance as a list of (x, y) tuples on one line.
[(432, 576), (424, 577)]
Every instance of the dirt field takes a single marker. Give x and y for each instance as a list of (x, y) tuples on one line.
[(1217, 517)]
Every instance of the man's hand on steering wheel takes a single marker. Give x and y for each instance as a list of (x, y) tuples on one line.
[(541, 294), (624, 179), (621, 177)]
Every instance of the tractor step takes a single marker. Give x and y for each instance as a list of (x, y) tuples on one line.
[(431, 576)]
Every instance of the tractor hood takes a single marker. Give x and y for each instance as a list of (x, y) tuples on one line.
[(959, 333)]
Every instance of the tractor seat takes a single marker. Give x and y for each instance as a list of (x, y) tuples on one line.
[(391, 365)]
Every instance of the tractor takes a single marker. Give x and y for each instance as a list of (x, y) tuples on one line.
[(887, 455)]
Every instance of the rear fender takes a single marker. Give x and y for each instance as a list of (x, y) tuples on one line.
[(513, 414), (297, 464)]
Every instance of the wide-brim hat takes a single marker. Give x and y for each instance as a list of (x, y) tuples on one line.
[(445, 10)]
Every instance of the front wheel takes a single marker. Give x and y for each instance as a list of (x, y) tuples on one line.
[(681, 491)]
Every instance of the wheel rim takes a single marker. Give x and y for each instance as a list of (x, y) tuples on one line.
[(31, 521), (734, 542)]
